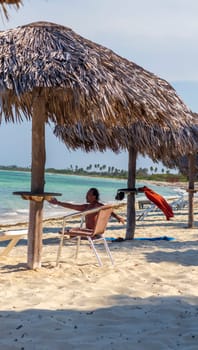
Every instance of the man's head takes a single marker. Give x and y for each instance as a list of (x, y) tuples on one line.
[(92, 195)]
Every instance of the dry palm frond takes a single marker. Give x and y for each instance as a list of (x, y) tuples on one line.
[(4, 3)]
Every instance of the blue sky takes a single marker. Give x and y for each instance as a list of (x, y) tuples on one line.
[(160, 36)]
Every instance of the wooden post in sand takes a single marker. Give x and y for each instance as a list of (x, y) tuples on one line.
[(191, 189), (131, 220), (37, 184)]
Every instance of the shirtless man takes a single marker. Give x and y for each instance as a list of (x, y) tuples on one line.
[(92, 198)]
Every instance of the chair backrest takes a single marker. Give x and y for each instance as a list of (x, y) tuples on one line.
[(102, 219)]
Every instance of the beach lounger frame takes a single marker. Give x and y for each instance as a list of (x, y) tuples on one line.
[(179, 203), (145, 212), (13, 237)]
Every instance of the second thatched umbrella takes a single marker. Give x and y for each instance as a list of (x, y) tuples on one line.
[(49, 73), (187, 164)]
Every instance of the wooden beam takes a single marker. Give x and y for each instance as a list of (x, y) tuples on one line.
[(191, 189), (131, 216), (37, 184)]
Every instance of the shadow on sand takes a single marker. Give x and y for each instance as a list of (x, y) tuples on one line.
[(132, 323)]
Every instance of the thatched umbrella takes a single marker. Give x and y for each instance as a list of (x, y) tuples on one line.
[(5, 3), (49, 73), (187, 163)]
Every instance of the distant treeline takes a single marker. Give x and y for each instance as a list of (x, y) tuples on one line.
[(104, 171)]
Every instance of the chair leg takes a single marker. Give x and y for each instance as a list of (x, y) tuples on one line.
[(108, 250), (95, 251), (60, 246), (11, 244), (77, 246)]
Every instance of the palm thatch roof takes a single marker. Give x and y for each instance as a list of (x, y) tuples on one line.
[(5, 3), (80, 81), (157, 142), (183, 165), (180, 160)]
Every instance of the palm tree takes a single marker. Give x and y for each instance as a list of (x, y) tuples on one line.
[(89, 167), (151, 169)]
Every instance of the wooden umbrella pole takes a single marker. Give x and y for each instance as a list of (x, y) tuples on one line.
[(131, 198), (37, 184), (191, 189)]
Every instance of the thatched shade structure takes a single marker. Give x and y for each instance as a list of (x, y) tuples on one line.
[(188, 166), (49, 73), (4, 4)]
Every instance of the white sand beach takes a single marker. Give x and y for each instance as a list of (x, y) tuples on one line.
[(148, 300)]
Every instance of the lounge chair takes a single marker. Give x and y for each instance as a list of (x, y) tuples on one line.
[(141, 215), (176, 204), (96, 235), (12, 237), (180, 202)]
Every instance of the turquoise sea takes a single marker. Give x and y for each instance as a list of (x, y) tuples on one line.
[(13, 209)]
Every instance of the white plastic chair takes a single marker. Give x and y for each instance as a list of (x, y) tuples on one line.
[(95, 235)]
